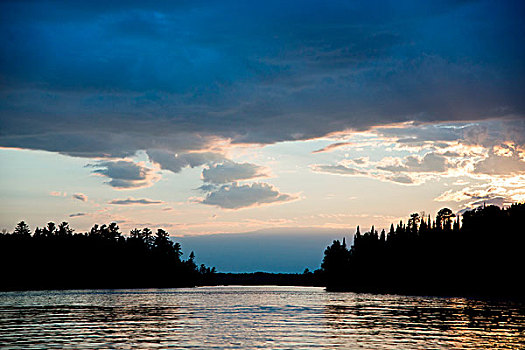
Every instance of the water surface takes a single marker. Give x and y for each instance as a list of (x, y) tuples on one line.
[(254, 317)]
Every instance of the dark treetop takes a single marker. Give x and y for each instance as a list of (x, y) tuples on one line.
[(481, 257), (485, 256), (55, 257)]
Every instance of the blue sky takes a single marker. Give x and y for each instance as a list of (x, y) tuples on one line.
[(233, 116)]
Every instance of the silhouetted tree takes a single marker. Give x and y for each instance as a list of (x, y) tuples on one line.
[(382, 238), (64, 230), (22, 229), (57, 257), (110, 232), (484, 255), (413, 222), (147, 237), (162, 245), (49, 230), (38, 232), (335, 261), (177, 249), (135, 233), (444, 218)]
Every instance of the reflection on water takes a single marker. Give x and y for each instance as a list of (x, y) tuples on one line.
[(254, 317), (395, 322)]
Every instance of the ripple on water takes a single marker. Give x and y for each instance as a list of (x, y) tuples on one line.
[(254, 317)]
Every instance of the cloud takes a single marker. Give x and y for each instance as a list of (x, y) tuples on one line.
[(207, 187), (499, 201), (57, 194), (336, 170), (486, 133), (332, 147), (171, 79), (236, 196), (501, 164), (429, 163), (124, 174), (133, 201), (498, 191), (401, 178), (473, 150), (80, 196), (229, 171), (77, 215), (176, 162), (360, 160)]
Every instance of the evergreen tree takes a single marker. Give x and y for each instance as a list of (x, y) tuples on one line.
[(64, 230), (22, 229), (382, 238), (488, 244), (57, 257), (50, 229)]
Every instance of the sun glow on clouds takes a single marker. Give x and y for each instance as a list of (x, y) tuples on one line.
[(401, 104), (494, 164), (464, 171)]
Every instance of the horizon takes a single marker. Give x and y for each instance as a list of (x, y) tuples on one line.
[(273, 250), (231, 118)]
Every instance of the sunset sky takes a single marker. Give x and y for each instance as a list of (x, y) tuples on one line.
[(235, 116)]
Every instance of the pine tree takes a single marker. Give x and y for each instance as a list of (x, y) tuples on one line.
[(22, 229), (391, 233)]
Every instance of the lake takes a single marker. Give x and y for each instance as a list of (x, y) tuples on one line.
[(254, 317)]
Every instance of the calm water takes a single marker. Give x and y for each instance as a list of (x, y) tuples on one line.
[(254, 317)]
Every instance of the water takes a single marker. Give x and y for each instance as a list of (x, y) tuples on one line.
[(254, 317)]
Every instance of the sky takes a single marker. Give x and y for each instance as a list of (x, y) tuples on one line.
[(224, 118)]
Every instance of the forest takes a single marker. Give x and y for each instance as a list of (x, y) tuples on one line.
[(55, 257), (480, 254)]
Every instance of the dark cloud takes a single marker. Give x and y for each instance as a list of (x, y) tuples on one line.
[(494, 164), (229, 171), (336, 169), (401, 178), (429, 163), (133, 201), (77, 215), (413, 134), (80, 196), (99, 79), (207, 187), (236, 196), (176, 162), (332, 147), (347, 171), (124, 174), (485, 133), (360, 161)]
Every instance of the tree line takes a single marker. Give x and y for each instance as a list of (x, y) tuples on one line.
[(481, 253), (56, 257)]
